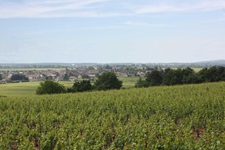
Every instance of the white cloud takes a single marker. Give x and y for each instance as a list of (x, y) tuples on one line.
[(52, 8), (98, 8), (209, 5), (144, 24)]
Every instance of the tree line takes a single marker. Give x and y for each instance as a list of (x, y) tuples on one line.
[(182, 76), (157, 77), (106, 81)]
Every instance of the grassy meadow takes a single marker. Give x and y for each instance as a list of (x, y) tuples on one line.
[(129, 82), (29, 88), (23, 88)]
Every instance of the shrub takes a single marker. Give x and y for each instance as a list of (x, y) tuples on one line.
[(50, 87), (19, 77), (81, 86), (108, 81)]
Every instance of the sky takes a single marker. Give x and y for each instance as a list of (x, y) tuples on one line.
[(111, 31)]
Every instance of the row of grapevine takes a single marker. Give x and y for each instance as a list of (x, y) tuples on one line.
[(178, 117)]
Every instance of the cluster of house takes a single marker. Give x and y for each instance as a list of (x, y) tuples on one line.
[(71, 74)]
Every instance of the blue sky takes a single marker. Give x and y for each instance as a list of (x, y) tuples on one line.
[(111, 31)]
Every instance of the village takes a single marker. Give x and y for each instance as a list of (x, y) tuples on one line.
[(72, 73)]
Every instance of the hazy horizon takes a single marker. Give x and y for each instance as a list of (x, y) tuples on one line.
[(111, 31), (206, 61)]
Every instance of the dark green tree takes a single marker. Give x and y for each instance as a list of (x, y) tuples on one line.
[(66, 77), (212, 74), (0, 77), (187, 71), (108, 67), (19, 77), (154, 78), (189, 76), (172, 77), (85, 76), (90, 68), (107, 81), (141, 83), (50, 87), (81, 86)]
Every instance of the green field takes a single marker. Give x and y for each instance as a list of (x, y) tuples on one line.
[(129, 82), (195, 69), (29, 88), (23, 88), (177, 117)]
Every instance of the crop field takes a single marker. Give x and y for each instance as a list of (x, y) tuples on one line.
[(129, 82), (176, 117), (24, 88)]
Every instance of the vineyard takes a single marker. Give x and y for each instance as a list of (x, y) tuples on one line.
[(186, 117)]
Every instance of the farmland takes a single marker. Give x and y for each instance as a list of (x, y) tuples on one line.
[(29, 88), (164, 117), (23, 88)]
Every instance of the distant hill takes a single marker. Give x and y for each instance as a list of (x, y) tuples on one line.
[(212, 63), (200, 64)]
